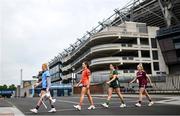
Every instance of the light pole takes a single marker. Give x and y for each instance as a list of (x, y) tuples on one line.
[(21, 71), (19, 88), (73, 76)]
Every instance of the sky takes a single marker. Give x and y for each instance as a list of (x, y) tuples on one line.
[(32, 32)]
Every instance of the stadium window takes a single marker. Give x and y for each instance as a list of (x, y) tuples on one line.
[(153, 43), (176, 40), (156, 66), (124, 58), (177, 43), (125, 71), (145, 53), (131, 71), (123, 45), (158, 72), (144, 41), (155, 55), (178, 53), (131, 58), (129, 45)]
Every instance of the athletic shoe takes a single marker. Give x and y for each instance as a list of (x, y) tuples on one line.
[(138, 104), (34, 110), (122, 105), (53, 101), (52, 110), (151, 103), (92, 107), (105, 105), (78, 107)]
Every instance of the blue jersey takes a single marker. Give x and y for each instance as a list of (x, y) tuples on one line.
[(45, 75)]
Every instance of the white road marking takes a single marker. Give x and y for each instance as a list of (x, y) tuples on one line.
[(171, 100), (14, 109), (65, 101), (73, 109), (10, 110), (72, 102)]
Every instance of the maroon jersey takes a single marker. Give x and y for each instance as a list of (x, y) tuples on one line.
[(142, 78)]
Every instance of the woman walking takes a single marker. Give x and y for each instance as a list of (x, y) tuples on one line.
[(113, 85), (142, 78), (45, 92), (85, 81)]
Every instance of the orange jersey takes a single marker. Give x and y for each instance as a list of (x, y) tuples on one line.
[(85, 76)]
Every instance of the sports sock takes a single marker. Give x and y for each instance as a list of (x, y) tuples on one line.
[(107, 102), (52, 106), (37, 107)]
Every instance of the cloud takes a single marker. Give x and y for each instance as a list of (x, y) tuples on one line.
[(34, 31)]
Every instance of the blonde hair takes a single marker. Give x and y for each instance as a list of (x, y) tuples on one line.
[(141, 66), (45, 65)]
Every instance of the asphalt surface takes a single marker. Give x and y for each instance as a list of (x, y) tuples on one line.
[(64, 106), (4, 103)]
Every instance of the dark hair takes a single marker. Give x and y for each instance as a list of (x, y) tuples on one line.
[(115, 66), (86, 63)]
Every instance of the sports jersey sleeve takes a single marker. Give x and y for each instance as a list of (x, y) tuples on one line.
[(88, 72), (48, 79), (144, 74), (47, 74), (48, 83)]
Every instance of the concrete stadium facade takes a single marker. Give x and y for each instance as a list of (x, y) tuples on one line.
[(125, 45), (113, 41)]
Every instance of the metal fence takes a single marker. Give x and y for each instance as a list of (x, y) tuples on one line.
[(172, 83), (161, 84)]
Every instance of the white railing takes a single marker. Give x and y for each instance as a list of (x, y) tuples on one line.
[(114, 46), (106, 60), (119, 60), (107, 32), (67, 76), (66, 67)]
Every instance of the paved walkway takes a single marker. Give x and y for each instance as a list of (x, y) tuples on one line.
[(8, 109), (164, 105)]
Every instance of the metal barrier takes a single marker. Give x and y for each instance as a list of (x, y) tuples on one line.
[(167, 84), (172, 84)]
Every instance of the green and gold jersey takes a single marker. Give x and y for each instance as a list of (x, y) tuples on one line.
[(113, 72)]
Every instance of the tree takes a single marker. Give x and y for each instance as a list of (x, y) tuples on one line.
[(1, 87), (5, 87), (12, 87)]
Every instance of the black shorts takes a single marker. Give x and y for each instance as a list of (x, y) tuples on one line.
[(43, 89), (115, 84)]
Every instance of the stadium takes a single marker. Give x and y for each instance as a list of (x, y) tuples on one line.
[(136, 33), (143, 31)]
